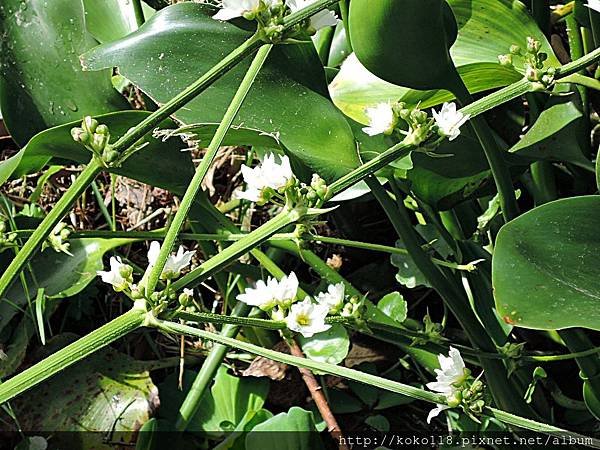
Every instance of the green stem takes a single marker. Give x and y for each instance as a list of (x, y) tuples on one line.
[(503, 391), (493, 154), (238, 248), (139, 12), (55, 215), (361, 377), (202, 169), (102, 206), (577, 341), (72, 353), (207, 372)]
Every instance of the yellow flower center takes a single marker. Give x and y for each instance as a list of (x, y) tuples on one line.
[(303, 320)]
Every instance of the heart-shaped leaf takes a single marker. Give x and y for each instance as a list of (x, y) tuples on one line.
[(181, 42), (545, 266), (41, 82)]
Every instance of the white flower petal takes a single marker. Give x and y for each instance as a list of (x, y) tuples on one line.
[(436, 411), (449, 120), (593, 4), (381, 119), (307, 318), (153, 252)]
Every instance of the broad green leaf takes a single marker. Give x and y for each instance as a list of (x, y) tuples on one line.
[(544, 269), (294, 430), (171, 168), (230, 405), (394, 306), (42, 83), (108, 392), (330, 346), (555, 135), (481, 38), (457, 171), (109, 20), (405, 43), (181, 42), (60, 274)]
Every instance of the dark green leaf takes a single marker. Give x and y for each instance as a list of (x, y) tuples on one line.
[(545, 272), (181, 42), (405, 43), (42, 83), (294, 430)]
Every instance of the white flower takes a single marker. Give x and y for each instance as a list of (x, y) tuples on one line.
[(236, 8), (381, 119), (333, 298), (119, 275), (175, 262), (272, 293), (188, 292), (449, 377), (593, 4), (307, 318), (322, 19), (449, 120), (268, 174)]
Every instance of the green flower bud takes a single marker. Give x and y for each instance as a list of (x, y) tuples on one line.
[(515, 50), (418, 116), (505, 60), (111, 156), (80, 135), (454, 400), (89, 124), (156, 296), (533, 45), (102, 129), (2, 227), (99, 142), (126, 271)]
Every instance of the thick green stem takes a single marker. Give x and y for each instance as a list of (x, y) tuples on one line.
[(505, 394), (55, 215), (493, 154), (207, 372), (361, 377), (238, 248), (202, 169), (72, 353)]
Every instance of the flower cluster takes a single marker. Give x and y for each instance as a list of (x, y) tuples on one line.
[(386, 118), (455, 383), (270, 14), (56, 240), (120, 275), (7, 237), (95, 137), (273, 181), (533, 62), (307, 317)]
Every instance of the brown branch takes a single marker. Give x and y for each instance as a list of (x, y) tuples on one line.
[(317, 395)]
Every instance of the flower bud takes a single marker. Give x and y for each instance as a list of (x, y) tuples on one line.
[(2, 227), (505, 60), (102, 129), (89, 124), (126, 271), (533, 46), (111, 156), (515, 50), (80, 135)]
